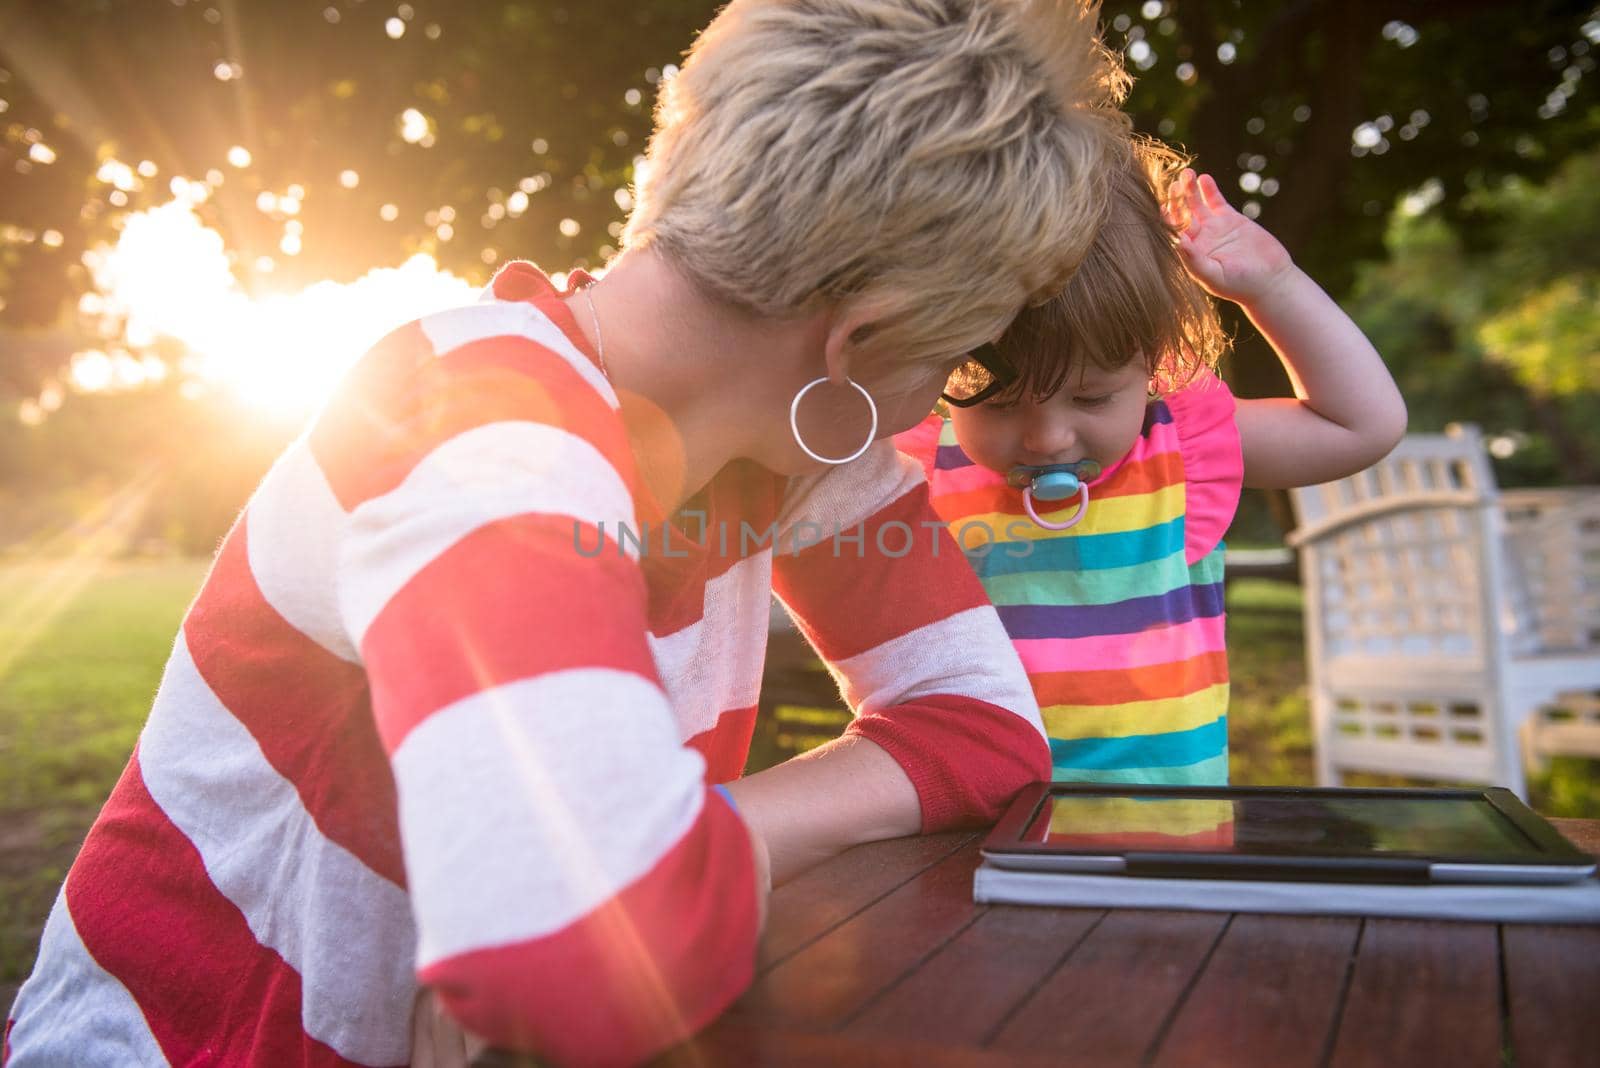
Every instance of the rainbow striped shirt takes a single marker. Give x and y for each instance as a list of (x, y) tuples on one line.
[(1118, 620)]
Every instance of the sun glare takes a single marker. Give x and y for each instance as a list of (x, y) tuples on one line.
[(168, 277)]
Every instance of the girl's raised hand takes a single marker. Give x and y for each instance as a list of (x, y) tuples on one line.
[(1229, 254)]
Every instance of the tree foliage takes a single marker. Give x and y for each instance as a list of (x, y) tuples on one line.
[(1339, 108), (1504, 329)]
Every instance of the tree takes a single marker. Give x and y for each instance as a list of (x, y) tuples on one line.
[(1323, 113), (1506, 333)]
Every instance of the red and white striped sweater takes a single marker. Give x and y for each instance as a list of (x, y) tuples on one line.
[(420, 724)]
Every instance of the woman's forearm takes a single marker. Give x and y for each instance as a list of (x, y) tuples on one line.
[(816, 805)]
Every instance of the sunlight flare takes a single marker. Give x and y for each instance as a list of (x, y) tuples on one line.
[(61, 567), (169, 276)]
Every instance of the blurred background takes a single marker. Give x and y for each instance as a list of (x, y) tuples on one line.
[(208, 208)]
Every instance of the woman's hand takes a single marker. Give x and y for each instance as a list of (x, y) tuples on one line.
[(437, 1041), (1229, 254)]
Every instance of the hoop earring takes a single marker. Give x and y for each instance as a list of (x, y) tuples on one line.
[(794, 425)]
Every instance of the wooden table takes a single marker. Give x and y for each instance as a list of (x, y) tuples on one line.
[(880, 957)]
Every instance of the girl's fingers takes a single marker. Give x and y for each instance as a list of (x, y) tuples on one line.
[(1173, 215), (1210, 195), (1199, 210), (1180, 203)]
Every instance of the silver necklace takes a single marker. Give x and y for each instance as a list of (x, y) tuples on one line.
[(599, 338)]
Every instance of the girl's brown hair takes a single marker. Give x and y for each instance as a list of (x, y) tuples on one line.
[(1131, 298)]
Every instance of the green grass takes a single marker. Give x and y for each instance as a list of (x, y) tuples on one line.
[(81, 653), (73, 701), (1269, 719)]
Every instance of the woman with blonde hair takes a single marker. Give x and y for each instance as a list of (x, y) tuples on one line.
[(464, 702)]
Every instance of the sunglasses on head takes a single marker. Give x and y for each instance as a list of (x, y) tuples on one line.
[(980, 376)]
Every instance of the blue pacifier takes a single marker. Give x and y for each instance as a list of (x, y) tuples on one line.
[(1054, 482)]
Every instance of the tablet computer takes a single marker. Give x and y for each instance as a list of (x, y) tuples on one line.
[(1319, 834)]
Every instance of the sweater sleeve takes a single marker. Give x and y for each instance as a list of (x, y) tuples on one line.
[(1213, 465), (577, 890), (884, 594)]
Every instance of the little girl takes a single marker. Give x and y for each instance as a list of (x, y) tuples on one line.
[(1090, 462)]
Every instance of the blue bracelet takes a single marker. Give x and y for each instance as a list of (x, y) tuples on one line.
[(727, 795)]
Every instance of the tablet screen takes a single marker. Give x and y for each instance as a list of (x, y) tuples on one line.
[(1280, 824)]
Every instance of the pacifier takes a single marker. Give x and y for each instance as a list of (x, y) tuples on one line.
[(1054, 482)]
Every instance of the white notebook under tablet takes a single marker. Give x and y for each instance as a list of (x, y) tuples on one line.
[(1454, 854), (1568, 903)]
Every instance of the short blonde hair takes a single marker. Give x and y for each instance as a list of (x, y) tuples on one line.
[(944, 159), (1132, 298)]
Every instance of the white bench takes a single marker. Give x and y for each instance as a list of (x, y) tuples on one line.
[(1452, 631)]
